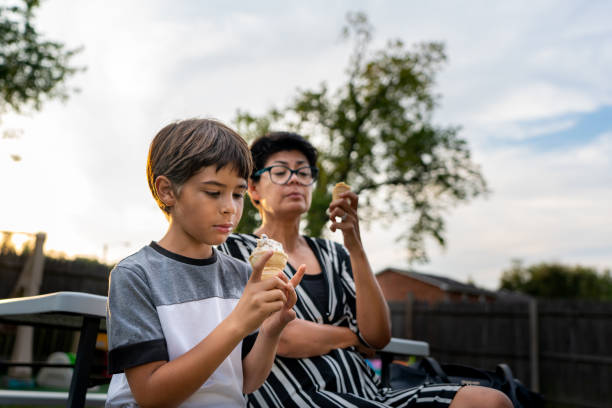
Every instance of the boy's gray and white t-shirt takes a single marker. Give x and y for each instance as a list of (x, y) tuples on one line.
[(161, 305)]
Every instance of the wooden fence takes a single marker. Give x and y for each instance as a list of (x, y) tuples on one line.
[(78, 275), (563, 349)]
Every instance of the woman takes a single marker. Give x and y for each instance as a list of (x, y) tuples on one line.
[(341, 310)]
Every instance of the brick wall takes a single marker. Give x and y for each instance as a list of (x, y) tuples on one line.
[(395, 287)]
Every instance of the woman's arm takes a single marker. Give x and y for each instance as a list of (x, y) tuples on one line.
[(302, 338), (372, 309)]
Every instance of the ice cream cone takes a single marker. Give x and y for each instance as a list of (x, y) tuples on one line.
[(340, 188), (277, 261), (270, 273)]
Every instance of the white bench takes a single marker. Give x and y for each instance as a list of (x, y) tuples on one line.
[(397, 347), (70, 310), (19, 397)]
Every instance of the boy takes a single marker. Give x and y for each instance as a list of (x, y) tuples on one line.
[(178, 309)]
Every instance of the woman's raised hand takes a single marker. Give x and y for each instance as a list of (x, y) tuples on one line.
[(343, 215)]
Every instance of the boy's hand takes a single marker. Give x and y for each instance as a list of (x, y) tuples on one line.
[(277, 322), (260, 298)]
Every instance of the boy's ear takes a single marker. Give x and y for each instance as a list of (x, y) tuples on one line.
[(165, 191), (252, 189)]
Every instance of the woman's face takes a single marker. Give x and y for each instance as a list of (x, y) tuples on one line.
[(285, 200)]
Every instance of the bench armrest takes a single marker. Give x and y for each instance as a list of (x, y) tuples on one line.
[(406, 347), (399, 346)]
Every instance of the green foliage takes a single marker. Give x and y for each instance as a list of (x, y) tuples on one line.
[(375, 132), (554, 280), (7, 247), (31, 67), (250, 218), (82, 262)]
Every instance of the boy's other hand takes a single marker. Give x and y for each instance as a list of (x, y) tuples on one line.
[(277, 322), (260, 298), (294, 282)]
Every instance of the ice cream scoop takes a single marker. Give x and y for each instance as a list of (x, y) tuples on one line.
[(277, 261)]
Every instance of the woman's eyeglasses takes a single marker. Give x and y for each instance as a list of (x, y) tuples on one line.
[(282, 174)]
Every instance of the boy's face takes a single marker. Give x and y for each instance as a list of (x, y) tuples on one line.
[(209, 205)]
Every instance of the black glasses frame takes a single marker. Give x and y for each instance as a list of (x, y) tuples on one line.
[(313, 169)]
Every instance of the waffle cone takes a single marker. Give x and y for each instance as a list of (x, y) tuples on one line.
[(270, 273), (275, 264), (340, 188)]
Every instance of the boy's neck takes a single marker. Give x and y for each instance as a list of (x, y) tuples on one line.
[(182, 245)]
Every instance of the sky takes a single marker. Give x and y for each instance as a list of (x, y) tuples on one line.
[(527, 81)]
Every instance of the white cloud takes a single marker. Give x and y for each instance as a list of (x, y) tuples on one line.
[(533, 101), (551, 206), (513, 64), (547, 128)]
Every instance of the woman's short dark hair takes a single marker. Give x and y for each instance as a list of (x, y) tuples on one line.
[(265, 146)]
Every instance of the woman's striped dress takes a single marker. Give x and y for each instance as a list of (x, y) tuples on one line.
[(341, 378)]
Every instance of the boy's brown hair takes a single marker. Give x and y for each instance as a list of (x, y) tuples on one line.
[(181, 149)]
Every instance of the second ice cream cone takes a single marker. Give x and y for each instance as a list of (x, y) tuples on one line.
[(340, 188)]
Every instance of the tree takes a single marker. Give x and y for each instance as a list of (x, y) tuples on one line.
[(6, 244), (32, 68), (554, 280), (376, 133)]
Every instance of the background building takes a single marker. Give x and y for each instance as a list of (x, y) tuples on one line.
[(397, 283)]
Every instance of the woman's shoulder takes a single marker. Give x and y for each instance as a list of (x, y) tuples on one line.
[(241, 239), (239, 245), (327, 245)]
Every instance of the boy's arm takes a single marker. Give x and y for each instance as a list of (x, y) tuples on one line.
[(257, 364), (167, 384)]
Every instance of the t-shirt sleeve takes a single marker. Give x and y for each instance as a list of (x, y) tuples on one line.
[(134, 330)]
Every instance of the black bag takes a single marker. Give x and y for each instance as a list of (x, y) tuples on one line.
[(429, 371)]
